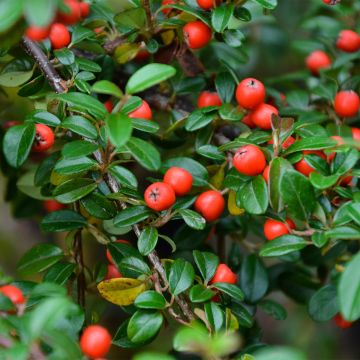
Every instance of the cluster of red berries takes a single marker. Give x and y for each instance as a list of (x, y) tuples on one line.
[(95, 341), (57, 32)]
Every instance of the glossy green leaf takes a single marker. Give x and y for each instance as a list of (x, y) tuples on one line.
[(106, 87), (283, 245), (312, 143), (131, 215), (231, 290), (133, 267), (124, 176), (273, 309), (253, 196), (181, 276), (78, 148), (60, 272), (144, 325), (215, 316), (198, 119), (221, 16), (198, 293), (62, 220), (147, 240), (193, 219), (323, 305), (207, 263), (150, 300), (99, 206), (267, 4), (73, 190), (81, 126), (75, 165), (119, 128)]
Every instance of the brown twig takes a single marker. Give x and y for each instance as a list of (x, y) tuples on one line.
[(146, 6)]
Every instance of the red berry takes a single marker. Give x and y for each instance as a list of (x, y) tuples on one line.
[(210, 204), (52, 205), (208, 98), (249, 160), (248, 122), (262, 116), (341, 322), (159, 196), (197, 34), (340, 141), (206, 4), (95, 341), (13, 293), (37, 33), (287, 143), (250, 93), (109, 105), (318, 60), (73, 13), (108, 255), (266, 174), (355, 134), (84, 9), (112, 272), (348, 41), (44, 138), (346, 103), (346, 180), (142, 54), (224, 274), (303, 167), (167, 2), (142, 112), (179, 179), (59, 36), (274, 228)]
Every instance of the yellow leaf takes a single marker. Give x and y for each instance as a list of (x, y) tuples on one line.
[(57, 179), (126, 52), (217, 179), (232, 207), (168, 37), (121, 291), (231, 321)]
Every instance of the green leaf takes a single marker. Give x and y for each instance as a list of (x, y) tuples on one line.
[(150, 300), (65, 56), (40, 12), (79, 34), (349, 290), (197, 170), (145, 153), (267, 4), (253, 196), (274, 309), (221, 16), (298, 194), (43, 117), (233, 37), (283, 245), (298, 99), (26, 184), (78, 148), (124, 176), (15, 78), (343, 233), (148, 76), (322, 182), (39, 258), (119, 251), (119, 128), (60, 272), (210, 152), (81, 126), (99, 206), (131, 215), (193, 219), (73, 190), (225, 86), (6, 304), (207, 264), (323, 305), (74, 165), (254, 280), (279, 352), (198, 293), (215, 316), (106, 87), (230, 289), (84, 103), (198, 119), (133, 267), (181, 276), (311, 143), (10, 12), (145, 125), (319, 239), (62, 220), (344, 162), (242, 314), (144, 325), (17, 143), (147, 240)]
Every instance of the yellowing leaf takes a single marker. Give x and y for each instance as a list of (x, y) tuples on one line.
[(57, 179), (217, 179), (126, 52), (121, 291), (232, 207), (231, 321), (168, 37)]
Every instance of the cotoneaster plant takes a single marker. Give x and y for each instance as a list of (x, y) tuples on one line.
[(148, 137)]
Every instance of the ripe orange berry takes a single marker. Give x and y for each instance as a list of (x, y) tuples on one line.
[(13, 293), (73, 13), (250, 93), (348, 41), (247, 121), (37, 33), (355, 133), (208, 98), (95, 341), (206, 4), (224, 274), (249, 160), (109, 105), (275, 228), (44, 138), (262, 116), (303, 167), (52, 205), (341, 322), (159, 196), (112, 272), (210, 204), (84, 9), (346, 103), (196, 34), (142, 112), (266, 174), (59, 36), (318, 60), (179, 179)]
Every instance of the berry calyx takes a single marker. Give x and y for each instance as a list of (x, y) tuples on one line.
[(317, 60), (59, 36), (206, 4), (224, 274), (249, 160), (262, 116), (159, 196), (112, 272), (142, 112), (208, 98), (108, 255), (250, 93), (275, 228), (348, 41), (36, 33), (179, 179), (341, 322), (303, 167), (266, 173), (72, 15), (95, 341), (44, 138), (210, 204), (346, 103), (13, 293), (197, 34), (52, 205)]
